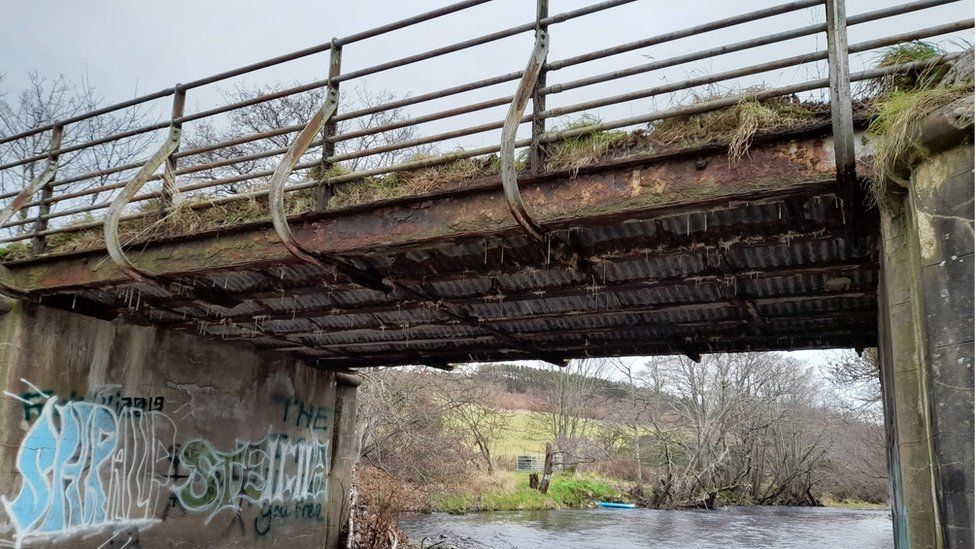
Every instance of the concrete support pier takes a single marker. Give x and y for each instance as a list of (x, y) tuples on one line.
[(926, 334), (118, 435)]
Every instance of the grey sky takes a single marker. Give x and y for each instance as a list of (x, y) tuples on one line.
[(124, 46)]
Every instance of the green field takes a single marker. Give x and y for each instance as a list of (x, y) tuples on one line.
[(526, 434)]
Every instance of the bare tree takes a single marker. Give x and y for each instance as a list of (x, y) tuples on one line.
[(45, 101), (569, 395), (741, 428), (294, 111), (404, 427), (857, 378), (478, 415), (860, 452), (635, 410)]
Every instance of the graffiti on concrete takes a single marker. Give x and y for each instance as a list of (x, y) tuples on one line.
[(86, 464), (111, 395), (274, 469), (272, 513), (113, 461), (304, 415)]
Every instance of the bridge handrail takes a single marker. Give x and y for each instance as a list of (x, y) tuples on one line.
[(668, 88), (530, 78), (340, 78), (691, 31), (276, 197), (111, 224), (796, 60), (331, 137), (697, 108)]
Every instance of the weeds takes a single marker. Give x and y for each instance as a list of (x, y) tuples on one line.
[(377, 511), (896, 125), (416, 182), (901, 101), (737, 125), (14, 250), (505, 491), (582, 150), (908, 80)]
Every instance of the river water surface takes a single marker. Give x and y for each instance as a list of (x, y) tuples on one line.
[(732, 528)]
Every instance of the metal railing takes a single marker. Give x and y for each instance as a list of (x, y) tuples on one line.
[(57, 201)]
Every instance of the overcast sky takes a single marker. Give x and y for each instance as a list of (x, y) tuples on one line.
[(125, 47)]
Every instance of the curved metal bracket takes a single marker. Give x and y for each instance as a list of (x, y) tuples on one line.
[(506, 155), (112, 240), (23, 196), (15, 205), (276, 200), (213, 296), (276, 195)]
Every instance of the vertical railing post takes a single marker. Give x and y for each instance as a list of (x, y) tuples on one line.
[(170, 190), (324, 192), (44, 207), (536, 154), (841, 111)]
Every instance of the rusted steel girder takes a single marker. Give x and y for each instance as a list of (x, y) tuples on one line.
[(636, 188), (851, 319), (574, 289), (699, 251), (394, 335)]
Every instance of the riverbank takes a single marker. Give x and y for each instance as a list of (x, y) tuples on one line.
[(509, 491)]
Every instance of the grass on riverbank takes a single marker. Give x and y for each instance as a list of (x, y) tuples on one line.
[(853, 504), (507, 491)]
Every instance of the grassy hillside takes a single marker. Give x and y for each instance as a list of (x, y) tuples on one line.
[(526, 434)]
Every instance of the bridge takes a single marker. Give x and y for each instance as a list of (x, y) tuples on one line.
[(239, 257)]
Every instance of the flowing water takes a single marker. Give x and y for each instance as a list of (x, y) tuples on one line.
[(731, 528)]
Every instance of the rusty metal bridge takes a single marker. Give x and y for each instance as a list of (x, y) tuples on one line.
[(672, 248)]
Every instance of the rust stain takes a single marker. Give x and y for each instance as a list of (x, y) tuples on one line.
[(635, 182), (655, 181)]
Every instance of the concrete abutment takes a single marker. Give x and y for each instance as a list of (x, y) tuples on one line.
[(926, 347), (114, 433)]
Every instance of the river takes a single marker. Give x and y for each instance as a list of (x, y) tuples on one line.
[(731, 528)]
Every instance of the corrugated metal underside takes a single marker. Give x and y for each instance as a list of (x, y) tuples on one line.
[(679, 251), (776, 273)]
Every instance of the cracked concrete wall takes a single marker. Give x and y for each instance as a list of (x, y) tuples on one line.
[(131, 436), (927, 350)]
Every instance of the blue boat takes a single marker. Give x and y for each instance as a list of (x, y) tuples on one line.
[(615, 505)]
